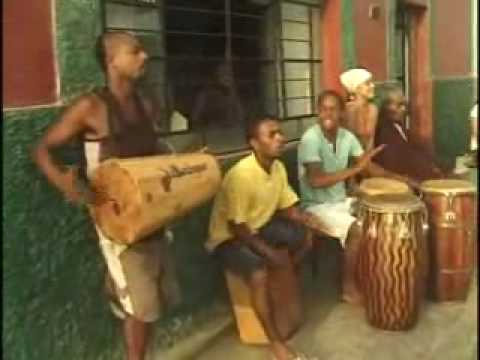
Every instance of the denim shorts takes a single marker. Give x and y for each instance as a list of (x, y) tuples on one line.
[(242, 260)]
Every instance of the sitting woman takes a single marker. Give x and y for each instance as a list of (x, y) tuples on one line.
[(360, 113), (400, 155)]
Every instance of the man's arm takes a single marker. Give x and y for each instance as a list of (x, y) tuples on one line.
[(318, 178), (305, 218), (71, 124), (373, 169), (243, 233)]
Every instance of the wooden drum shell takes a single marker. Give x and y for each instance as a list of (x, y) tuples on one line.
[(452, 222), (392, 266), (145, 194)]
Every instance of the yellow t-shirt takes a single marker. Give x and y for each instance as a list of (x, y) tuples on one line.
[(248, 195)]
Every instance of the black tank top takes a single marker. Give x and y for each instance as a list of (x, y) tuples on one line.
[(127, 137)]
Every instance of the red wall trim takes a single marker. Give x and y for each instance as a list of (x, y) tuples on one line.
[(421, 81), (332, 45)]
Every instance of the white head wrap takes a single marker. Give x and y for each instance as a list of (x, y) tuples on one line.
[(352, 78), (474, 112)]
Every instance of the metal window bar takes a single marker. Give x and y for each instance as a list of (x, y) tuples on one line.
[(212, 12), (312, 70), (282, 66), (195, 33), (137, 3), (229, 59), (294, 21)]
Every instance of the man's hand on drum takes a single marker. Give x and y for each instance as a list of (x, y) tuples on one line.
[(364, 160), (274, 257)]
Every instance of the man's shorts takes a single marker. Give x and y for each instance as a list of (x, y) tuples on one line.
[(136, 271), (337, 218), (243, 260)]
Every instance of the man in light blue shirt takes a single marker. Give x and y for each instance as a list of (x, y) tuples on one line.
[(325, 157)]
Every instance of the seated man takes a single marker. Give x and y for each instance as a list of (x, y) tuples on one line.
[(324, 155), (255, 212), (401, 155)]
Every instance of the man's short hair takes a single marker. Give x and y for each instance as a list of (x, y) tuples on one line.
[(254, 123), (331, 93)]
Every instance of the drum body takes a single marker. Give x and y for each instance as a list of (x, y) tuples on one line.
[(393, 260), (145, 194), (451, 206), (284, 294)]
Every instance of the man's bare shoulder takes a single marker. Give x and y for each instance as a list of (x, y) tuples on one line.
[(87, 103), (88, 114)]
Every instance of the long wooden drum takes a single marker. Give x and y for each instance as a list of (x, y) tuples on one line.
[(451, 206), (147, 193), (393, 261)]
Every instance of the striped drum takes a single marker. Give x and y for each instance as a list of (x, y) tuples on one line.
[(393, 260)]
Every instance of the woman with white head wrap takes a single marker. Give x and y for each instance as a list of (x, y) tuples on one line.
[(361, 115), (474, 126)]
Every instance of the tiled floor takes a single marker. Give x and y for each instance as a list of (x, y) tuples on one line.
[(337, 331)]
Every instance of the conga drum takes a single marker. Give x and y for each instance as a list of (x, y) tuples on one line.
[(285, 298), (381, 185), (393, 261), (144, 194), (451, 206)]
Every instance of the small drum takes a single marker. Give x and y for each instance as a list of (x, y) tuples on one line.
[(451, 206), (393, 262), (145, 194), (380, 185), (284, 294)]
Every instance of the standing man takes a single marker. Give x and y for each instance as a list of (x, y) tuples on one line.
[(253, 213), (114, 122), (328, 155)]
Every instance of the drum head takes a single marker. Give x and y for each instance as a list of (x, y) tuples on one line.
[(380, 185), (447, 186), (392, 203)]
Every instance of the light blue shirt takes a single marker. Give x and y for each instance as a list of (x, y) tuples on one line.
[(314, 147)]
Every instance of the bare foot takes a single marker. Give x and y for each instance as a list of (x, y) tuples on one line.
[(280, 351), (352, 296)]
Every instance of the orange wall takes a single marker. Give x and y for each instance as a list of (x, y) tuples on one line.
[(371, 38), (29, 75), (451, 24)]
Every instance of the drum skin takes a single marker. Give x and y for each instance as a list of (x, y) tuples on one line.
[(451, 206), (380, 185), (145, 194), (393, 261)]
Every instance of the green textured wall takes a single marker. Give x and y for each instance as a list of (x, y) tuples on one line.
[(452, 101), (348, 35)]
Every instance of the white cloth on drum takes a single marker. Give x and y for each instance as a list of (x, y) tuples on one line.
[(337, 217)]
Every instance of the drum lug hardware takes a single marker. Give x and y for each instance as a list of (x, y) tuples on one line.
[(450, 215), (425, 225)]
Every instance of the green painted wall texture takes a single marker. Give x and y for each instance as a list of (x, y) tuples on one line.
[(452, 101)]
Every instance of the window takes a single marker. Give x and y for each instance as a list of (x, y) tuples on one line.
[(215, 63)]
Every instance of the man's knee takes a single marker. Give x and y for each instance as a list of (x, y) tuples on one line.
[(308, 239), (258, 278)]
